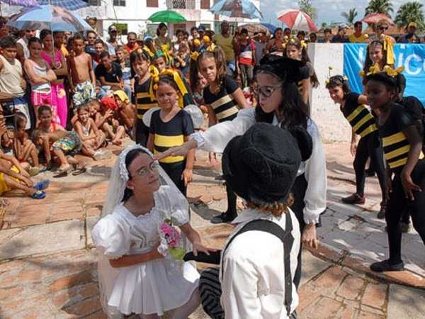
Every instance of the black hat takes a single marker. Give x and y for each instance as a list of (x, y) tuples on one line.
[(288, 70), (261, 165)]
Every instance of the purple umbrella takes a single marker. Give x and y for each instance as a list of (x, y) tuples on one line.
[(23, 3), (67, 4)]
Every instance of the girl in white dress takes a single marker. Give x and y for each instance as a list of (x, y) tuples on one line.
[(134, 277)]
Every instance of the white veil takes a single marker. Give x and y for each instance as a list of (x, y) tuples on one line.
[(117, 185)]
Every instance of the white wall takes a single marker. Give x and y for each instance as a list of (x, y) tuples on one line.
[(332, 124)]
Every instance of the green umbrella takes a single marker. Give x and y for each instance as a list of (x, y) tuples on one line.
[(168, 16)]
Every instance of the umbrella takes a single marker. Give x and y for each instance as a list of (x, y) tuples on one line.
[(237, 9), (297, 19), (373, 18), (67, 4), (48, 17), (254, 27), (168, 16), (23, 3)]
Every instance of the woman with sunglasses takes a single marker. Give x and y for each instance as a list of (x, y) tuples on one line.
[(279, 103)]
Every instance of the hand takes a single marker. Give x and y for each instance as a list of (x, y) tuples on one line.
[(109, 113), (25, 174), (187, 176), (309, 236), (409, 186), (198, 246), (353, 148)]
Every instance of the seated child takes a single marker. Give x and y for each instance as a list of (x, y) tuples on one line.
[(13, 176), (23, 148), (91, 137), (54, 139), (125, 112)]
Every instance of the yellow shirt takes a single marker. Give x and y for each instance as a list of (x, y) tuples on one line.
[(227, 45), (361, 39)]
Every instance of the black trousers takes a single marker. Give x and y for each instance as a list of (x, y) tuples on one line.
[(142, 133), (370, 146), (231, 201), (397, 205), (175, 171)]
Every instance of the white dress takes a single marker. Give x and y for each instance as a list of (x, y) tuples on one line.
[(152, 287)]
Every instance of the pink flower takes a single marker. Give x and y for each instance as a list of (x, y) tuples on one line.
[(171, 235)]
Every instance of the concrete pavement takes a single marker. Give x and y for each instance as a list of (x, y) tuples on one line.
[(48, 264)]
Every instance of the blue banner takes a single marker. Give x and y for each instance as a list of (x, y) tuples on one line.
[(411, 56)]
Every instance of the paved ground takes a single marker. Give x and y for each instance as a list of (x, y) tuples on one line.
[(48, 264)]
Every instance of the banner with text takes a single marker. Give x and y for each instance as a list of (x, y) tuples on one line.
[(411, 56)]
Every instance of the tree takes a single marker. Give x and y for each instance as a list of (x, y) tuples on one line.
[(350, 16), (380, 6), (410, 12), (307, 7)]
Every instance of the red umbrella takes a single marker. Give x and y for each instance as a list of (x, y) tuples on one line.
[(373, 18), (297, 19)]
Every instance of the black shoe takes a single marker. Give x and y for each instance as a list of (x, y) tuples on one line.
[(384, 265), (222, 218), (353, 199), (382, 211)]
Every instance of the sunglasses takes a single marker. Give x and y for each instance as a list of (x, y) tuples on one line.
[(266, 91), (383, 28)]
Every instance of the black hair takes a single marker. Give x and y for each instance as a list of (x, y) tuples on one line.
[(132, 33), (19, 119), (327, 30), (34, 40), (338, 80), (104, 54), (168, 79), (160, 26), (78, 36), (99, 41), (43, 108), (7, 42), (44, 33), (131, 155), (91, 31), (244, 30), (391, 83), (193, 29), (368, 62), (275, 31)]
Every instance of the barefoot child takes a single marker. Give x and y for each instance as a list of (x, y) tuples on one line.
[(80, 65), (91, 137), (125, 111), (171, 126), (23, 148)]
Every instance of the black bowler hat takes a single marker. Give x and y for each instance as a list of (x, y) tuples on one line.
[(261, 165)]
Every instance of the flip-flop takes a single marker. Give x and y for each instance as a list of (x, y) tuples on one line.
[(79, 171), (38, 195), (42, 185), (61, 174)]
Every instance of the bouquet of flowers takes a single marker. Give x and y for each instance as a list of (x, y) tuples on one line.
[(171, 241)]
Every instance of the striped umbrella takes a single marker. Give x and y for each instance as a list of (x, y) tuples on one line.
[(297, 20), (67, 4)]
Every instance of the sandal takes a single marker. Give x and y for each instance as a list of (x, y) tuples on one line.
[(42, 185), (61, 174), (79, 171), (38, 195)]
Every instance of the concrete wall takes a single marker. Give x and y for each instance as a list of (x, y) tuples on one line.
[(332, 124)]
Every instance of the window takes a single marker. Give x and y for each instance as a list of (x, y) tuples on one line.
[(119, 3), (178, 4), (152, 3), (93, 2), (205, 4)]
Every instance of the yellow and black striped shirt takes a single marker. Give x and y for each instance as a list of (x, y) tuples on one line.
[(144, 99), (170, 134), (224, 106), (359, 117), (394, 142)]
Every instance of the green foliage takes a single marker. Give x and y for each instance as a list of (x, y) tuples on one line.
[(307, 7), (350, 15), (380, 6), (410, 12)]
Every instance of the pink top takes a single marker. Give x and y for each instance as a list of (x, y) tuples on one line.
[(48, 58)]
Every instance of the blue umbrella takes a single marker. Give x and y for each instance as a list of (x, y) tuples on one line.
[(237, 9), (24, 3), (48, 17), (67, 4), (269, 26)]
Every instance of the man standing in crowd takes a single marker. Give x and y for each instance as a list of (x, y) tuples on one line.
[(341, 36), (358, 36), (23, 52), (225, 40), (112, 41), (411, 33), (131, 42)]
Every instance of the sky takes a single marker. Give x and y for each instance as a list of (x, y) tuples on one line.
[(327, 10)]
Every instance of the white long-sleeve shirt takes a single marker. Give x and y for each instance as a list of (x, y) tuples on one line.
[(216, 138), (252, 270)]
